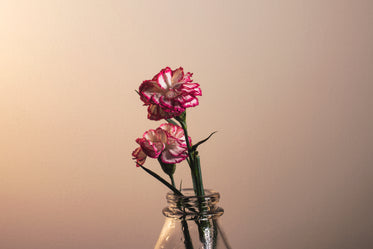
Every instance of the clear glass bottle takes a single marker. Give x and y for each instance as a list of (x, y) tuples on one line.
[(192, 222)]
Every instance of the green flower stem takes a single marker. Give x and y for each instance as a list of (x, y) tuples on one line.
[(198, 174), (159, 178), (193, 161), (188, 241), (184, 126), (195, 167)]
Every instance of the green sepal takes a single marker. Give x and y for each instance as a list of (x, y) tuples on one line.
[(171, 122), (181, 118), (168, 168)]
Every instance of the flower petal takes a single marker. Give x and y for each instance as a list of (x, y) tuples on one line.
[(150, 91), (167, 157), (174, 147), (190, 88), (162, 136), (151, 144), (139, 155), (171, 106), (168, 76), (177, 75), (164, 78), (193, 102), (155, 112), (161, 81)]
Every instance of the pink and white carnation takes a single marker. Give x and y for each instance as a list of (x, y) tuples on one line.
[(169, 93), (166, 142)]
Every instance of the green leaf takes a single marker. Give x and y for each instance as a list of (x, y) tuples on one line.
[(194, 147), (177, 192)]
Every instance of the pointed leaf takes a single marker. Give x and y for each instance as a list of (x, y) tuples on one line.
[(194, 147), (181, 183), (177, 192)]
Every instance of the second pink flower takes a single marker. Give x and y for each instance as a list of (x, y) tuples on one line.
[(167, 142)]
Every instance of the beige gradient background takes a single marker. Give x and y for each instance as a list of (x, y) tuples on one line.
[(287, 85)]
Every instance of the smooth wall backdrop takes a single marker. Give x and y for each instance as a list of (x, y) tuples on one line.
[(287, 85)]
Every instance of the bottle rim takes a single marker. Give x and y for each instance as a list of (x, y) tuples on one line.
[(188, 193)]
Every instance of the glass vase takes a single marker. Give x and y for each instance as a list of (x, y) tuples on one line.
[(192, 222)]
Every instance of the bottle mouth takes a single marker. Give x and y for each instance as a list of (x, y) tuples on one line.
[(189, 193), (190, 206)]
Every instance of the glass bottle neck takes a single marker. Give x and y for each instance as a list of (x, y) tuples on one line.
[(192, 207)]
